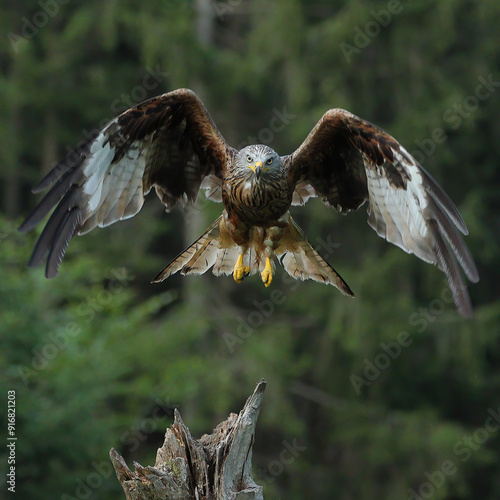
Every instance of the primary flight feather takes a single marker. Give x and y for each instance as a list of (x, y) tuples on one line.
[(171, 143)]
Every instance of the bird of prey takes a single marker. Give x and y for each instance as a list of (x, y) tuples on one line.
[(171, 143)]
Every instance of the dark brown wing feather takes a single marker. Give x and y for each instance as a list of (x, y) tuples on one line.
[(169, 142), (347, 161)]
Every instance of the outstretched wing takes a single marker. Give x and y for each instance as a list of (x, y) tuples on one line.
[(169, 142), (346, 161)]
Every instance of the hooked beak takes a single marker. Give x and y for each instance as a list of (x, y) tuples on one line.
[(257, 169)]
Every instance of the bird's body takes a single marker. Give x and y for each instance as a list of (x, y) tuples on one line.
[(171, 143), (255, 227)]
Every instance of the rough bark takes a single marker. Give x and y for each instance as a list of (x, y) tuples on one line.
[(215, 467)]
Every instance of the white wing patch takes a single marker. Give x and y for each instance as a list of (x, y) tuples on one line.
[(349, 161), (398, 214), (96, 166), (115, 191), (168, 142)]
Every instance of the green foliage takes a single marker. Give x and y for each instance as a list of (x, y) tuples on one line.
[(366, 398)]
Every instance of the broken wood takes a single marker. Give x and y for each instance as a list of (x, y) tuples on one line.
[(215, 467)]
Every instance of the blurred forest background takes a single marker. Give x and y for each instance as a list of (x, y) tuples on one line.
[(391, 395)]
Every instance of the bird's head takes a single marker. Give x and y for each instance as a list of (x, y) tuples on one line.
[(258, 161)]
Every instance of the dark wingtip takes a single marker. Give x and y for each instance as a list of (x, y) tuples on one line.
[(51, 273), (450, 231), (466, 313), (474, 276), (347, 289), (448, 264), (463, 303), (24, 228), (38, 188), (160, 276), (444, 201), (65, 232), (73, 158), (462, 299)]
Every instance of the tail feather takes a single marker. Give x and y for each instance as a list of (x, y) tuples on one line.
[(302, 261), (213, 249), (197, 258), (203, 259), (226, 260)]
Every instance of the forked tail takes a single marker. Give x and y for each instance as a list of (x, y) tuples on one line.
[(299, 258), (302, 261), (197, 258)]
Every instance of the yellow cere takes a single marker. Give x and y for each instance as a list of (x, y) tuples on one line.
[(258, 164)]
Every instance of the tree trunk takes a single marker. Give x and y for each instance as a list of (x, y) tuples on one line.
[(215, 467)]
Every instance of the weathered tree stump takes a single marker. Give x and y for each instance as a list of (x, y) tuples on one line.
[(215, 467)]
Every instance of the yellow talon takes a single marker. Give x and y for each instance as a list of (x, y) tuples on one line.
[(240, 271), (267, 273)]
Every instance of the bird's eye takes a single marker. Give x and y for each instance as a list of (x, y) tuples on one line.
[(269, 161), (249, 159)]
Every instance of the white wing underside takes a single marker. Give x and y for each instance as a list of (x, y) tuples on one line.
[(116, 191), (113, 191), (398, 214), (405, 205)]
